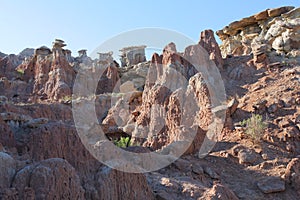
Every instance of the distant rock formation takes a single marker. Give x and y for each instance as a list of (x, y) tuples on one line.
[(270, 33), (2, 54), (132, 55), (50, 72), (26, 53), (8, 66)]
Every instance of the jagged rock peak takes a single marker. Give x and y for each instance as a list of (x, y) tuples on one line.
[(209, 43), (26, 53), (171, 48)]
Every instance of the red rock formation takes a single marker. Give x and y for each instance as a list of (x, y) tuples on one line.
[(51, 75), (209, 43), (60, 80), (113, 179), (53, 178), (108, 81), (292, 174), (176, 102), (8, 66), (6, 135), (61, 141), (50, 177), (7, 170)]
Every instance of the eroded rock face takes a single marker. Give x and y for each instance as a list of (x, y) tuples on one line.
[(109, 178), (209, 43), (6, 135), (43, 144), (108, 82), (271, 32), (53, 178), (8, 66), (62, 167), (176, 101), (50, 75), (26, 53), (7, 170), (9, 63), (292, 174), (133, 78), (174, 93), (14, 90)]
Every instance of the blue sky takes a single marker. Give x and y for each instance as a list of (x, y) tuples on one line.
[(87, 24)]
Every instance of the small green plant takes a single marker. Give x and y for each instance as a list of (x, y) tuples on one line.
[(20, 71), (67, 98), (255, 127), (123, 142)]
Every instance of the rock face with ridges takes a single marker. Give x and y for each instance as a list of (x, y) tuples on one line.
[(108, 82), (109, 178), (6, 135), (176, 102), (26, 53), (271, 32), (49, 73), (209, 43), (292, 174), (53, 178), (62, 167), (43, 145), (8, 65), (7, 170)]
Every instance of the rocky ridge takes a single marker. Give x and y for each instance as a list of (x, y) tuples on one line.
[(273, 32)]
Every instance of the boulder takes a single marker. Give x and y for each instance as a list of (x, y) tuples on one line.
[(271, 185), (292, 174), (219, 191)]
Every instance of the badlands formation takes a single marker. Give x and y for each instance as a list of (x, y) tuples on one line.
[(168, 100)]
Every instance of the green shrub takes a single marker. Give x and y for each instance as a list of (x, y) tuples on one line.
[(20, 71), (67, 98), (123, 142), (255, 127)]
